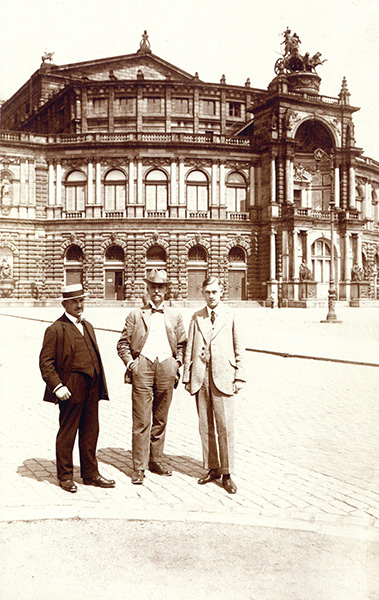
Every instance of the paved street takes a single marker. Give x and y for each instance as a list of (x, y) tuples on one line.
[(306, 434)]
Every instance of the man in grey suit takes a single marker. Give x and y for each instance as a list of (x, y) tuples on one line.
[(213, 371), (152, 347)]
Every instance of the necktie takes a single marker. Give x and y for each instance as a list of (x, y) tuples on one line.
[(156, 310), (80, 320), (213, 316)]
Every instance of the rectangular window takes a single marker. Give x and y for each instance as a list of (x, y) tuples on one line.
[(75, 196), (100, 105), (125, 105), (234, 109), (209, 107), (191, 198), (151, 197), (154, 105), (181, 106)]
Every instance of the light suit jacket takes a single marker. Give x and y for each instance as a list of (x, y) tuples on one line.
[(135, 332), (223, 348)]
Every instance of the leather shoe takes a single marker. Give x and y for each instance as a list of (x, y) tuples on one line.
[(100, 481), (68, 485), (138, 477), (229, 485), (156, 467), (210, 476)]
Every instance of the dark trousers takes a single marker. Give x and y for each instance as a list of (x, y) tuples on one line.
[(79, 413), (152, 387)]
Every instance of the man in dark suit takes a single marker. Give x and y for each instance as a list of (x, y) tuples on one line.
[(213, 371), (151, 346), (71, 367)]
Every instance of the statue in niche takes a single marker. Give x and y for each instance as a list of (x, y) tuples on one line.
[(5, 192), (305, 274), (357, 273), (5, 269)]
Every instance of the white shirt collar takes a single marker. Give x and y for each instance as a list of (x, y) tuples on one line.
[(216, 310), (73, 319)]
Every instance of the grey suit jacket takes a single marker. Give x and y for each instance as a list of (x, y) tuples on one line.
[(135, 332), (223, 347)]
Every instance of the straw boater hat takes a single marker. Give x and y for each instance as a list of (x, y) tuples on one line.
[(158, 277), (73, 292)]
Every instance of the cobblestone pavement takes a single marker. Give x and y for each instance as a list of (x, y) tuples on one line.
[(306, 430)]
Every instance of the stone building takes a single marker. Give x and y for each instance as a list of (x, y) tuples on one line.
[(113, 166)]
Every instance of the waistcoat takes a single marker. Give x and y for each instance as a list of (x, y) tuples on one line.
[(85, 356)]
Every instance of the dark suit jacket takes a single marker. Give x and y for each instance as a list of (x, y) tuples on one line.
[(57, 354), (134, 334)]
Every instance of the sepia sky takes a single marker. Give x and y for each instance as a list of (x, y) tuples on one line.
[(238, 38)]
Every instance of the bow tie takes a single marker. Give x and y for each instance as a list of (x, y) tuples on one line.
[(80, 320), (156, 310)]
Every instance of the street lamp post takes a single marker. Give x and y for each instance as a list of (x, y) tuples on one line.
[(332, 294)]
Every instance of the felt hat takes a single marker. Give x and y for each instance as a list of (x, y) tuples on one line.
[(157, 277)]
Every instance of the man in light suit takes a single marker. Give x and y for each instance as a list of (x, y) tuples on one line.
[(72, 369), (152, 347), (213, 371)]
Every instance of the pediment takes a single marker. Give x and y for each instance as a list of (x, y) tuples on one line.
[(127, 67)]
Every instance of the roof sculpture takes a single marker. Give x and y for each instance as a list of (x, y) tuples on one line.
[(292, 61)]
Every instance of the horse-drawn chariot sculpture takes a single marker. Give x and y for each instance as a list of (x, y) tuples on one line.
[(292, 61)]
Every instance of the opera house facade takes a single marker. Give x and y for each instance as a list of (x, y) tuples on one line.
[(113, 166)]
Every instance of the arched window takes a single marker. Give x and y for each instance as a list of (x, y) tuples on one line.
[(74, 264), (156, 258), (114, 253), (74, 253), (156, 254), (197, 192), (115, 190), (197, 254), (312, 135), (320, 260), (75, 190), (237, 255), (236, 193), (156, 191)]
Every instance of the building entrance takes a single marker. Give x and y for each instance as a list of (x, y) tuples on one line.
[(237, 285), (114, 285), (195, 282)]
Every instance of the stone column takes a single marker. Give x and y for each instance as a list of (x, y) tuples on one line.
[(90, 183), (351, 187), (173, 188), (111, 109), (51, 185), (359, 249), (272, 255), (222, 185), (336, 184), (98, 199), (214, 185), (182, 191), (251, 199), (289, 180), (140, 199), (131, 199), (58, 171), (273, 180), (259, 186)]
